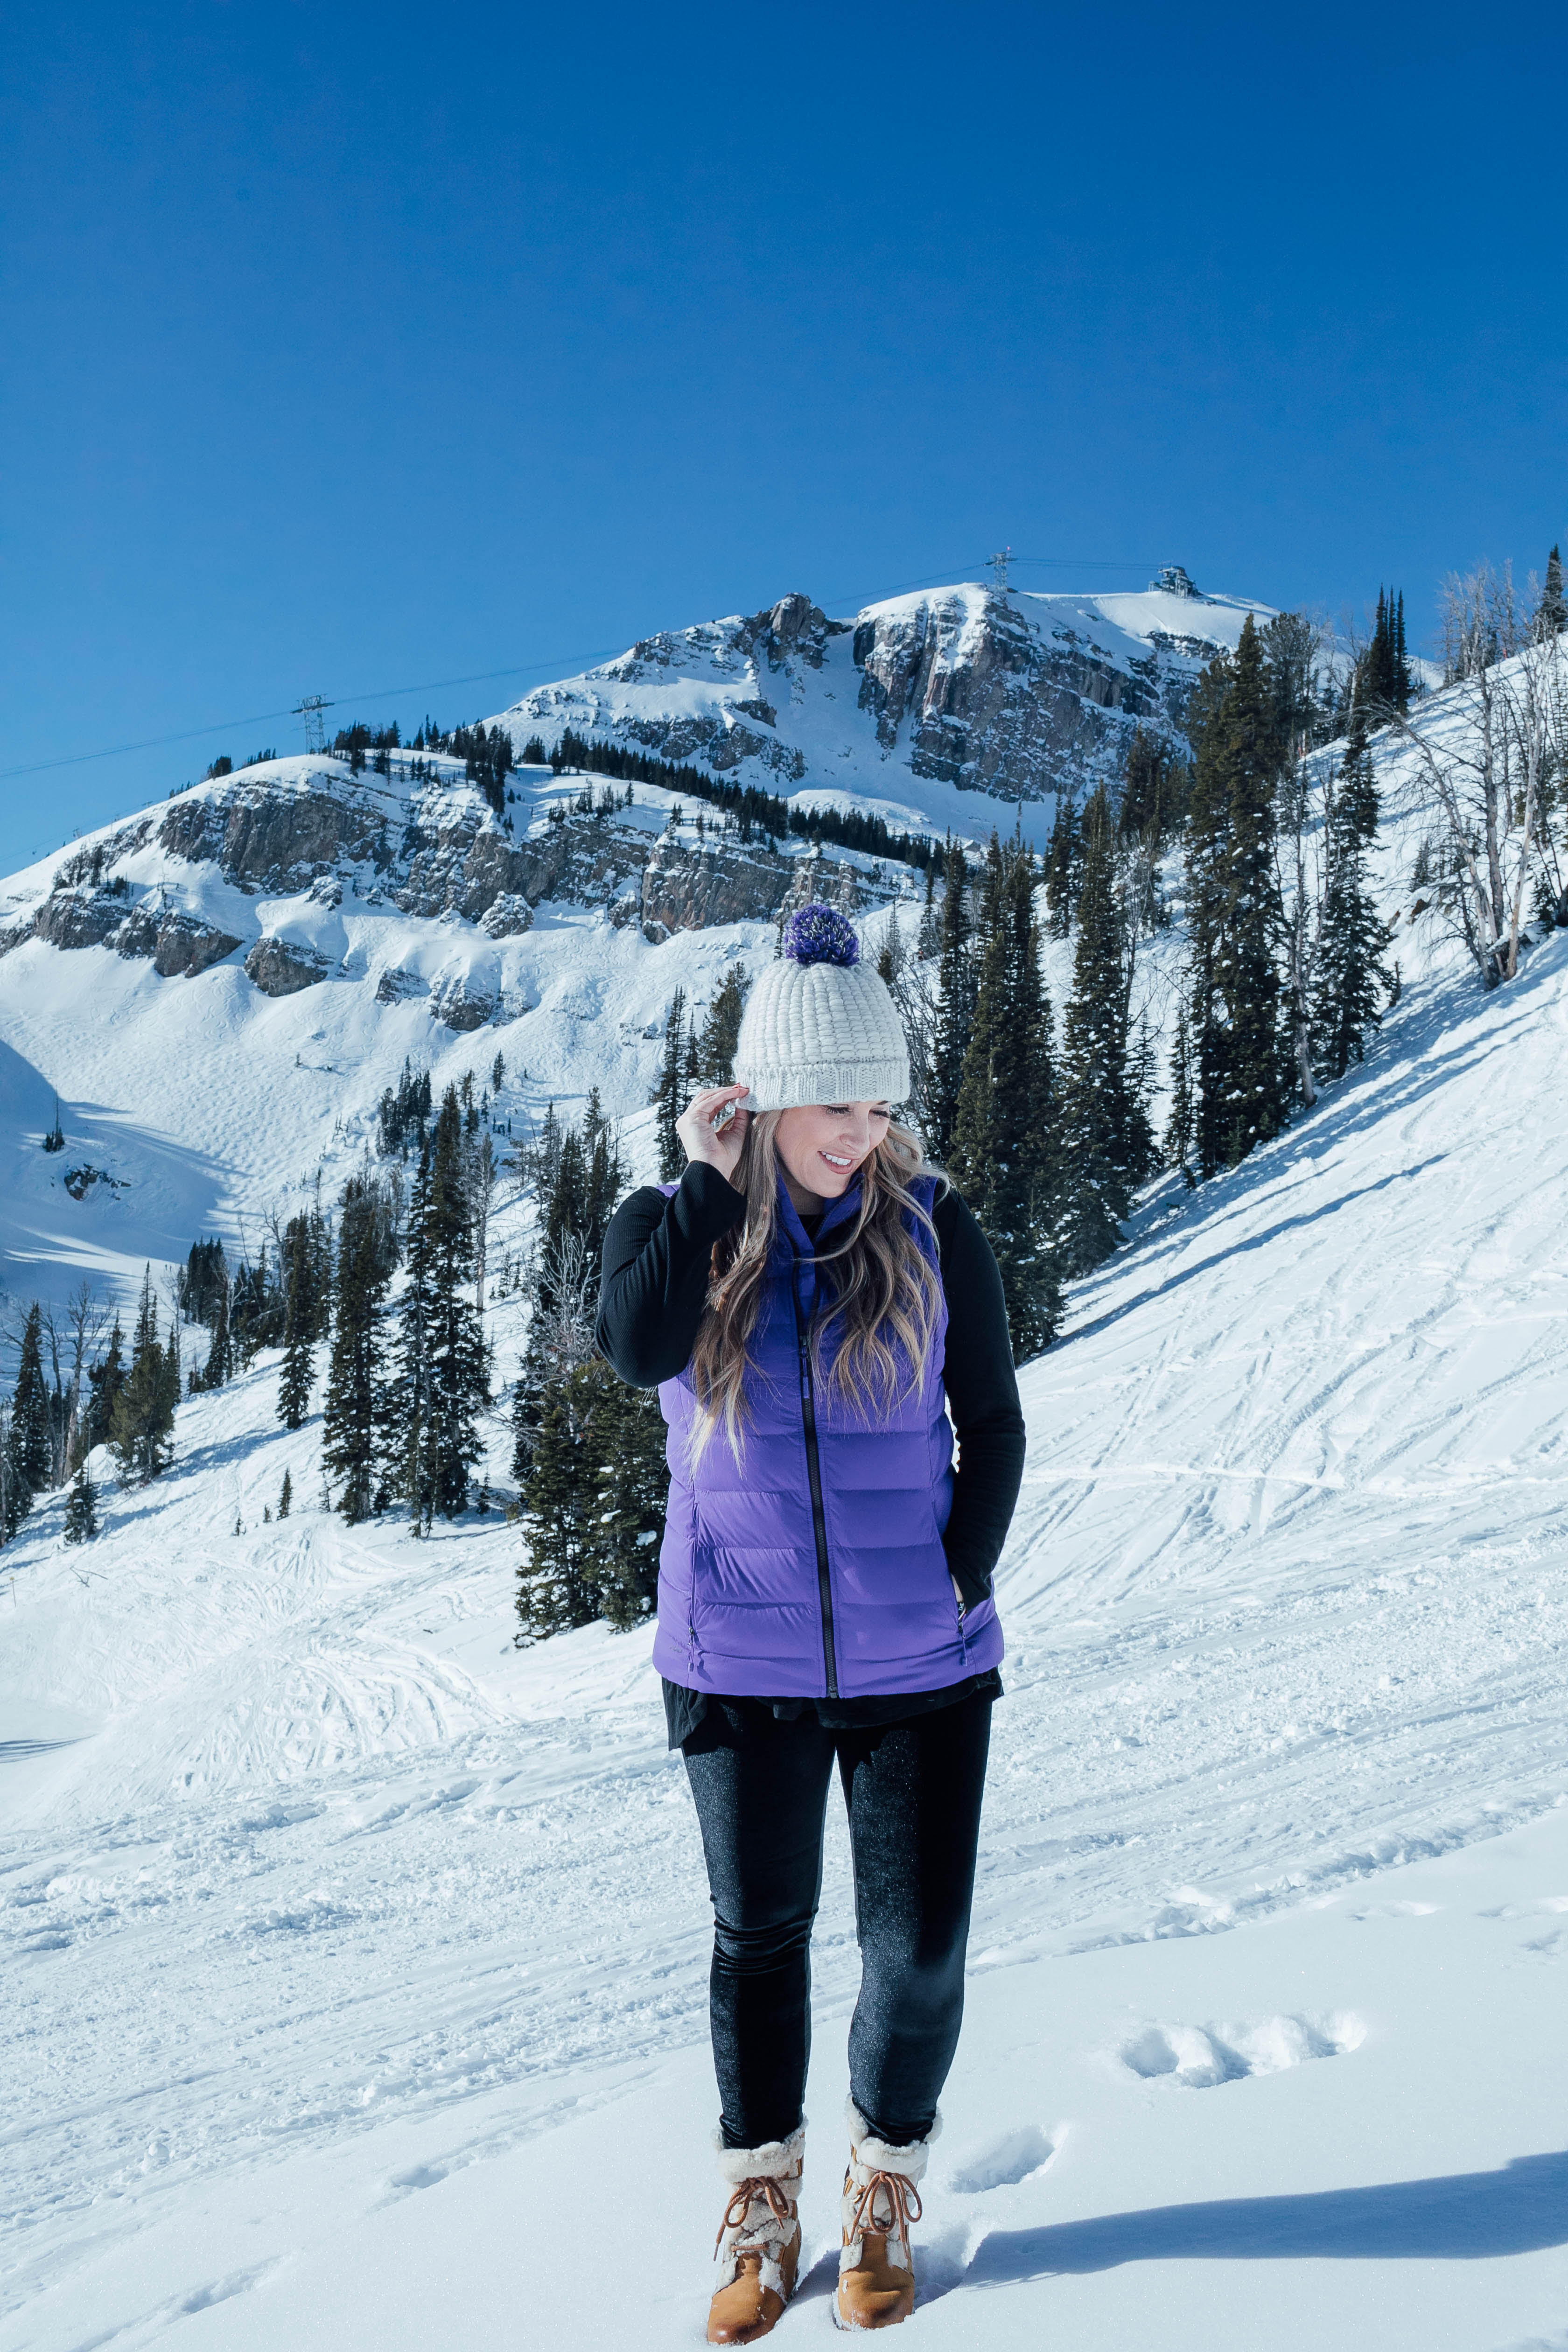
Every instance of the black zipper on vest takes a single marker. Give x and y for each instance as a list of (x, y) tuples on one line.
[(818, 1521)]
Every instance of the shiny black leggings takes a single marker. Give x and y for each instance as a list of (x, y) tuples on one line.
[(913, 1792)]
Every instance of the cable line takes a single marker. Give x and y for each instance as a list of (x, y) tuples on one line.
[(567, 662)]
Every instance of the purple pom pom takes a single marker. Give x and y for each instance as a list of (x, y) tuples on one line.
[(819, 934)]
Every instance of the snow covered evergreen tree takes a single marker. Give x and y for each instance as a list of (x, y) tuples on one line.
[(632, 1477), (354, 1422), (219, 1363), (299, 1361), (670, 1093), (1004, 1151), (958, 986), (442, 1383), (1241, 1077), (410, 1416), (595, 1505), (722, 1031), (556, 1588), (1061, 867), (1107, 1149), (1351, 975), (81, 1509), (105, 1381), (1178, 1136), (32, 1449), (1552, 612), (142, 1424)]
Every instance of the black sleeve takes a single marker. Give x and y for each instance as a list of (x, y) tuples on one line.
[(982, 1397), (655, 1284)]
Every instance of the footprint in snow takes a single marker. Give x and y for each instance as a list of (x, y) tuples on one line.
[(1199, 2057), (1002, 2163)]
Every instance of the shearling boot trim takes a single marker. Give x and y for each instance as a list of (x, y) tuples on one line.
[(769, 2162), (868, 2157), (760, 2230)]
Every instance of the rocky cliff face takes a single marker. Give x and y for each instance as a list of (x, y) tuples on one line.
[(1015, 695), (304, 833), (991, 703)]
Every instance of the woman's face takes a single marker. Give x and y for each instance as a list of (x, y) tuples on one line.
[(821, 1145)]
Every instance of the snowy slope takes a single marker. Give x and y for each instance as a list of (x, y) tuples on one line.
[(207, 1104), (356, 1960), (918, 709)]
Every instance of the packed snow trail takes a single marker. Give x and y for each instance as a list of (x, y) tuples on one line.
[(355, 1958)]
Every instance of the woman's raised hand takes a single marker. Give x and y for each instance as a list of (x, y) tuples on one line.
[(708, 1135)]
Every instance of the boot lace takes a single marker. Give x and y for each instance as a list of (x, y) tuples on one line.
[(762, 2189), (902, 2199)]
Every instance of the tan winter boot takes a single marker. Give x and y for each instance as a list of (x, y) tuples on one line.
[(881, 2198), (758, 2245)]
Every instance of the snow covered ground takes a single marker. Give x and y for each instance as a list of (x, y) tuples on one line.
[(355, 1961)]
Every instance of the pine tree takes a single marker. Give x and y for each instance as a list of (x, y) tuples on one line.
[(631, 1486), (1178, 1139), (1552, 612), (286, 1495), (670, 1094), (557, 1589), (1242, 1079), (958, 982), (299, 1363), (219, 1363), (1350, 971), (1061, 865), (1105, 1141), (353, 1419), (81, 1509), (1150, 793), (411, 1438), (458, 1383), (1382, 673), (32, 1452), (1003, 1148), (722, 1030), (143, 1422), (15, 1494), (105, 1379), (927, 938), (1204, 1019)]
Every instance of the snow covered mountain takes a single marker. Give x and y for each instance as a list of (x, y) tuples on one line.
[(219, 989), (913, 705), (355, 1958)]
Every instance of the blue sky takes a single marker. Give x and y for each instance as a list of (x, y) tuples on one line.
[(349, 349)]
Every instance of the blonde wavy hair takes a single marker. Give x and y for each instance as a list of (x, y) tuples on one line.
[(883, 1287)]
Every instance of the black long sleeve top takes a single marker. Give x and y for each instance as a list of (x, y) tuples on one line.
[(657, 1258)]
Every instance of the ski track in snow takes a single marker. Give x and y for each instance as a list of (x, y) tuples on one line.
[(318, 1897)]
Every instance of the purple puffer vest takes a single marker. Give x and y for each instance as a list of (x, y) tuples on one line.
[(814, 1567)]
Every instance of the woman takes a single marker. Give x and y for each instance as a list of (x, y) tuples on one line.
[(802, 1298)]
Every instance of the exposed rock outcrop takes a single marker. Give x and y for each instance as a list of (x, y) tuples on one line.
[(466, 866), (988, 702), (395, 986), (463, 1002), (686, 886), (283, 967), (276, 836), (174, 941), (507, 917), (76, 918), (1014, 695), (180, 945)]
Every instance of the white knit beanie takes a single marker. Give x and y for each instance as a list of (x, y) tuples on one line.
[(820, 1026)]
